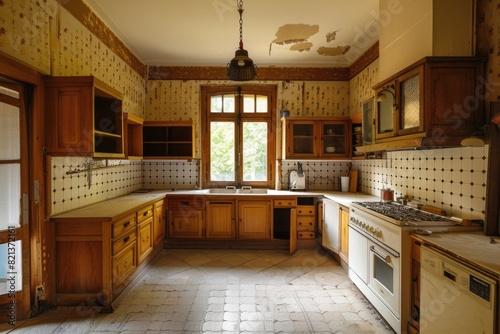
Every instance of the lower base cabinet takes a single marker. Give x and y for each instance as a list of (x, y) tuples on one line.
[(344, 234), (254, 219), (220, 220), (96, 258)]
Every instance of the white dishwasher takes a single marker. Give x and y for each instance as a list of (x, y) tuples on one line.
[(454, 298)]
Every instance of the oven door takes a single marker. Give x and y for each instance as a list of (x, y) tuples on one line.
[(384, 266)]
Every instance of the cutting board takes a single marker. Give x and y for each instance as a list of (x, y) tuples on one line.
[(353, 180)]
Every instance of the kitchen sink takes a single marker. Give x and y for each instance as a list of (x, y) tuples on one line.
[(236, 191), (222, 191)]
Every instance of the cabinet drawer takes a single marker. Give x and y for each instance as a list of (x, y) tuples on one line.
[(123, 241), (305, 210), (305, 223), (144, 213), (286, 202), (185, 203), (123, 225), (305, 235), (124, 264)]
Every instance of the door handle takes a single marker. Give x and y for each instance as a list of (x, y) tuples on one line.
[(384, 257)]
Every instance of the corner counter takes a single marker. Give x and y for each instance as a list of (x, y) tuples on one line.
[(472, 248)]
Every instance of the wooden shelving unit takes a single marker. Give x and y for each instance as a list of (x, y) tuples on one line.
[(168, 140)]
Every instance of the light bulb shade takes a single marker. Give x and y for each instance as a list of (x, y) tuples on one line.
[(241, 67)]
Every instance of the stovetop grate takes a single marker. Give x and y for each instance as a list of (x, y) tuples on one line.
[(401, 212)]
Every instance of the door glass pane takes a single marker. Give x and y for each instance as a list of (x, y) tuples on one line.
[(384, 273), (410, 106), (303, 138), (222, 103), (261, 104), (254, 151), (11, 270), (334, 138), (10, 195), (248, 103), (385, 114), (222, 148), (9, 132)]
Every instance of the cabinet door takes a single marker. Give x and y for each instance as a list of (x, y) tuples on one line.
[(301, 139), (386, 110), (185, 223), (344, 233), (145, 239), (330, 237), (220, 222), (254, 219), (158, 223), (334, 139), (410, 113)]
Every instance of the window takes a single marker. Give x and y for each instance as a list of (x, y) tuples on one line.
[(238, 136)]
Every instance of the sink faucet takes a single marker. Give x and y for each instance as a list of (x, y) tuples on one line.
[(246, 187), (230, 187)]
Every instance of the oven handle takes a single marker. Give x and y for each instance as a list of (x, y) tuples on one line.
[(384, 257)]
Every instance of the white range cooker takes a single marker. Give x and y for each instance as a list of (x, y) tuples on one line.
[(380, 253)]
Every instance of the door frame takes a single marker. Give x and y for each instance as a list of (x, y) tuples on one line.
[(41, 289)]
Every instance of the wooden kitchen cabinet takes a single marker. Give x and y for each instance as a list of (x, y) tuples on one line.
[(254, 218), (144, 233), (84, 117), (344, 234), (435, 102), (132, 136), (185, 218), (96, 256), (330, 238), (220, 219), (168, 140), (314, 138), (306, 222), (159, 222)]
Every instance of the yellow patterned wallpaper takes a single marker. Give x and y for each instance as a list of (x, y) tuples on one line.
[(45, 36), (360, 87), (25, 31)]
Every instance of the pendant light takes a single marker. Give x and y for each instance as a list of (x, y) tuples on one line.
[(241, 67)]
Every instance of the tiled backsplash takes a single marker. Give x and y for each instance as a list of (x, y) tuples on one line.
[(158, 174), (320, 175), (71, 191), (453, 179)]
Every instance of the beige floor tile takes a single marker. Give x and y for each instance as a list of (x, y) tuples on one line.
[(227, 291)]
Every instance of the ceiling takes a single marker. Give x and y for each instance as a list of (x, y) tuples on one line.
[(319, 33)]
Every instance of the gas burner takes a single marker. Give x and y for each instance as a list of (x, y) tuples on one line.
[(402, 213)]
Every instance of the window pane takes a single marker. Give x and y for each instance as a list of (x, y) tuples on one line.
[(9, 132), (11, 270), (248, 103), (254, 151), (10, 195), (222, 162), (216, 104), (261, 103), (229, 103)]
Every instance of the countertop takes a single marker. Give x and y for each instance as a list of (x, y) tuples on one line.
[(119, 205), (113, 207), (471, 247)]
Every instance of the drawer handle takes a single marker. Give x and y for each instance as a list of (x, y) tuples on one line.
[(126, 239), (185, 203), (145, 213), (126, 224)]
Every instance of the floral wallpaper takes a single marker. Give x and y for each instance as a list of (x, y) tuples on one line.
[(360, 87), (25, 31)]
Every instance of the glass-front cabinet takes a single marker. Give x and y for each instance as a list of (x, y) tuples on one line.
[(313, 138), (409, 89)]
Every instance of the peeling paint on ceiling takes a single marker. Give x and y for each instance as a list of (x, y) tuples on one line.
[(333, 51), (295, 33), (304, 46), (331, 36)]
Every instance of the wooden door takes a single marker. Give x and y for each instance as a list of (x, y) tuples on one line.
[(186, 223), (158, 223), (145, 242), (220, 220), (293, 230), (14, 205), (254, 219), (344, 233)]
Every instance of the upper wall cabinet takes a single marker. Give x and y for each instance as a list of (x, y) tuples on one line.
[(434, 103), (315, 138), (83, 117), (168, 140)]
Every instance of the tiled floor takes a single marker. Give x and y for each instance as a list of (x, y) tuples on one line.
[(228, 291)]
